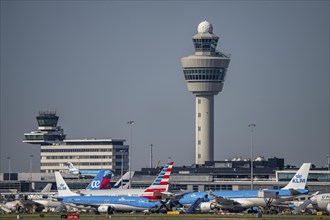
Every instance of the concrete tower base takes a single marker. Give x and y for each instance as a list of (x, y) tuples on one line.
[(204, 128)]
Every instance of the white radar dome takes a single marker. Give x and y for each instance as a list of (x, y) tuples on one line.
[(205, 27)]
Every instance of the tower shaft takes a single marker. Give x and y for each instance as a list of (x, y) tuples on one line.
[(204, 128)]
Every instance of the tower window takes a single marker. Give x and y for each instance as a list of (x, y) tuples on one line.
[(199, 101), (199, 115)]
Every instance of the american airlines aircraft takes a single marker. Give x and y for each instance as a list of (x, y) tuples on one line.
[(153, 192)]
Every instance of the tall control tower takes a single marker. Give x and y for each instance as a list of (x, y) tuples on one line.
[(205, 73)]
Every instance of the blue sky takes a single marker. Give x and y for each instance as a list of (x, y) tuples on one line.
[(100, 64)]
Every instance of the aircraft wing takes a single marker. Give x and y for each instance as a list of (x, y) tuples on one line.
[(72, 205), (5, 209), (223, 201), (176, 196), (47, 188)]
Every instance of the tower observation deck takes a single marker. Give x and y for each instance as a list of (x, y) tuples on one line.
[(205, 72), (48, 131)]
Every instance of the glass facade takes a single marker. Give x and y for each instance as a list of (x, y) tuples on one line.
[(47, 120), (76, 150), (205, 44), (314, 177), (205, 74), (78, 164), (218, 187), (76, 157)]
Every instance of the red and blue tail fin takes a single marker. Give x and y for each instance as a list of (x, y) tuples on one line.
[(101, 181), (160, 184)]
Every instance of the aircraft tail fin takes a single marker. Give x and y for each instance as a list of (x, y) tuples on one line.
[(101, 181), (47, 188), (123, 182), (70, 165), (160, 184), (72, 169), (299, 180), (62, 187)]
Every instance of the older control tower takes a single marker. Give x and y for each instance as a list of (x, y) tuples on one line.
[(205, 73)]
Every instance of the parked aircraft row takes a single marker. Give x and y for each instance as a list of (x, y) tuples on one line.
[(243, 199), (101, 198), (44, 200)]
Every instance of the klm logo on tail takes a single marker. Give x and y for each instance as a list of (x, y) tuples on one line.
[(297, 179), (61, 187)]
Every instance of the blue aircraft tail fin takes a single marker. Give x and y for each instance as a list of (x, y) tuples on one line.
[(101, 181)]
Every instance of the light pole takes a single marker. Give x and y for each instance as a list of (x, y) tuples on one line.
[(31, 156), (8, 168), (130, 123), (328, 176), (151, 155), (122, 164), (251, 126)]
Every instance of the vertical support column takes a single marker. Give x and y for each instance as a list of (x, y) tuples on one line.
[(204, 128)]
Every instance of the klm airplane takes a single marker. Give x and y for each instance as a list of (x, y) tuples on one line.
[(243, 199), (106, 204), (75, 171), (109, 203)]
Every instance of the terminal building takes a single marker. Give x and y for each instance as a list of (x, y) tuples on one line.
[(84, 154), (216, 175)]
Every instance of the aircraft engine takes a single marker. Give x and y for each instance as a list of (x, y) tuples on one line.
[(328, 207), (207, 206), (103, 209)]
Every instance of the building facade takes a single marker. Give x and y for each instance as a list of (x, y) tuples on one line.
[(85, 154)]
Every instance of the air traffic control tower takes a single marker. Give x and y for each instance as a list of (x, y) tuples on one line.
[(48, 132), (205, 73)]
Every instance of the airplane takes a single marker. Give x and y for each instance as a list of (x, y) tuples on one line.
[(123, 182), (319, 202), (153, 192), (75, 171), (104, 204), (102, 182), (27, 201), (243, 199)]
